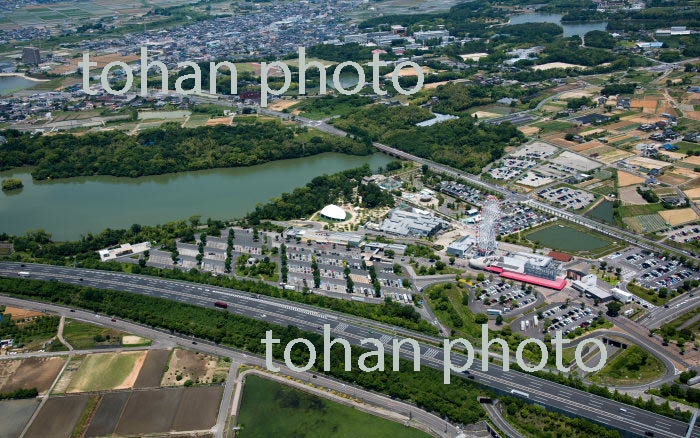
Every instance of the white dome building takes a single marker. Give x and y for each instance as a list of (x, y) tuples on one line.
[(333, 213)]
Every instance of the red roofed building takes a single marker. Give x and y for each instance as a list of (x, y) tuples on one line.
[(561, 256)]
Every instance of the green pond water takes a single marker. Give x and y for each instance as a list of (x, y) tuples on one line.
[(565, 238), (71, 207), (603, 212)]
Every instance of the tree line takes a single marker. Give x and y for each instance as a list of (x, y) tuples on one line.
[(168, 148), (461, 143)]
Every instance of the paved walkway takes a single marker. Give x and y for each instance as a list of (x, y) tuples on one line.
[(60, 333)]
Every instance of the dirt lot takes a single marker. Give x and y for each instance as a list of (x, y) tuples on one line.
[(485, 114), (644, 104), (680, 216), (35, 372), (643, 118), (283, 104), (18, 313), (647, 163), (133, 340), (629, 195), (108, 413), (152, 369), (692, 160), (627, 179), (529, 130), (58, 417), (190, 365)]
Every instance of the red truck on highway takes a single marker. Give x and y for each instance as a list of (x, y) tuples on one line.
[(221, 305)]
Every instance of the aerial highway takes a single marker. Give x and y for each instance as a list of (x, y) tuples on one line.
[(574, 402)]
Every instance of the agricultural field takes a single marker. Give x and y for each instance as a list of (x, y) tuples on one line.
[(34, 372), (645, 223), (105, 371), (632, 366), (75, 13), (167, 409), (68, 409), (14, 415), (187, 365), (196, 120), (107, 414), (291, 412), (679, 216), (152, 369)]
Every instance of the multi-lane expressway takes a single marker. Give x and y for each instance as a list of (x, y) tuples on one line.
[(574, 402)]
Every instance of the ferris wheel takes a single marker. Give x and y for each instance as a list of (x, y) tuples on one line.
[(488, 226)]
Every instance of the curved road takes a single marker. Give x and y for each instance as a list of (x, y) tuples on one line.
[(574, 402)]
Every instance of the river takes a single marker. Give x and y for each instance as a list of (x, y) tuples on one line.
[(570, 29), (68, 208)]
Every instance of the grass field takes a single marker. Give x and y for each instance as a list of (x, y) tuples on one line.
[(636, 210), (446, 299), (685, 146), (645, 293), (289, 412), (100, 372), (553, 125), (632, 366), (83, 336)]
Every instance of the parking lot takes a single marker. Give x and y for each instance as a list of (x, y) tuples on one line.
[(685, 234), (651, 270), (502, 296), (466, 193), (558, 317), (519, 217), (568, 318), (567, 197)]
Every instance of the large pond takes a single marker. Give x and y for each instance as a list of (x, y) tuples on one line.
[(570, 29), (565, 238), (68, 208), (14, 83)]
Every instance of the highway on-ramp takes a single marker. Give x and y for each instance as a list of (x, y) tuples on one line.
[(541, 391)]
